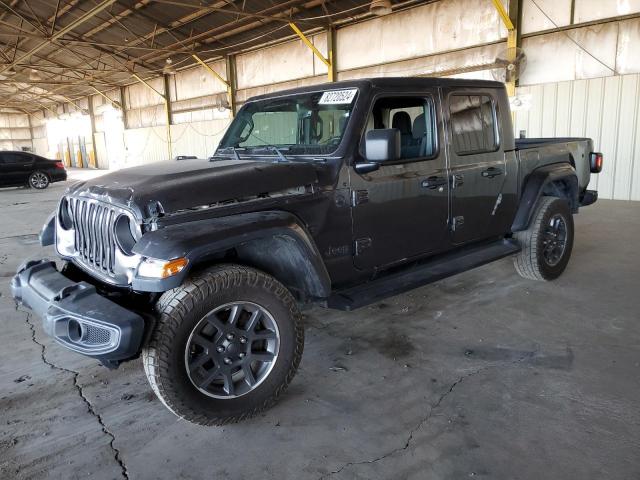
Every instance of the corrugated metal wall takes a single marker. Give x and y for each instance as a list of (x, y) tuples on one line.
[(148, 145), (604, 109), (14, 131)]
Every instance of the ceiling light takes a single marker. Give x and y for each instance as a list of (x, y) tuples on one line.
[(169, 69), (380, 7), (34, 75)]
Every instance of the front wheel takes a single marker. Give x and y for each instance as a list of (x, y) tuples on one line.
[(226, 345), (547, 243)]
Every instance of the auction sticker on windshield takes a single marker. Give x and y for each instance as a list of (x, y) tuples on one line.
[(338, 97)]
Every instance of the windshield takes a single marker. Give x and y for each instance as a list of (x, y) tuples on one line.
[(304, 124)]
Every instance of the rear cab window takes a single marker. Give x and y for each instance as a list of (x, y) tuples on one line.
[(473, 124)]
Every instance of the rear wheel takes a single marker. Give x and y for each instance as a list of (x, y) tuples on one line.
[(38, 180), (547, 243), (226, 345)]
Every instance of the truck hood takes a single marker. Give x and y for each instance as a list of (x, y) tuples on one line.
[(177, 185)]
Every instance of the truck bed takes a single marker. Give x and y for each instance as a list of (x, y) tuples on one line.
[(539, 151)]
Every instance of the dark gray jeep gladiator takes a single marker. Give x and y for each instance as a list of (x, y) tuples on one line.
[(337, 195)]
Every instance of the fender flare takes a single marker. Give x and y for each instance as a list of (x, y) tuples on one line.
[(274, 241), (534, 186)]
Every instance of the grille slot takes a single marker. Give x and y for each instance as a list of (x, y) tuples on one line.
[(95, 242)]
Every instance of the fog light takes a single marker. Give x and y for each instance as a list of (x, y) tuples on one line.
[(74, 330), (154, 268)]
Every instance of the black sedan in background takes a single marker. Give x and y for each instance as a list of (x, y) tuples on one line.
[(25, 168)]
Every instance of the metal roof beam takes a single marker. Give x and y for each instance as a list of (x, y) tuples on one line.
[(210, 35), (79, 21)]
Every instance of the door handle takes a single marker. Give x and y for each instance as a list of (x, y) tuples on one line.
[(491, 172), (457, 180), (434, 182)]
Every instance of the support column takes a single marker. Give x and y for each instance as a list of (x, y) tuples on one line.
[(167, 108), (572, 19), (230, 64), (229, 82), (331, 50), (167, 97), (125, 108), (92, 118), (512, 34), (31, 132)]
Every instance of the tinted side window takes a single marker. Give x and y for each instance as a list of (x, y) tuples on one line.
[(473, 124), (414, 117), (15, 158)]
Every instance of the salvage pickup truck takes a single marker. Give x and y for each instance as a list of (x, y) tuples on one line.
[(337, 195)]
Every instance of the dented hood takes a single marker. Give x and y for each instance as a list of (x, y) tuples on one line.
[(179, 185)]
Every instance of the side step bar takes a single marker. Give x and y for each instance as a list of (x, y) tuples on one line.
[(428, 272)]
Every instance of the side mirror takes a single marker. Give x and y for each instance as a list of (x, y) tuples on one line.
[(382, 145)]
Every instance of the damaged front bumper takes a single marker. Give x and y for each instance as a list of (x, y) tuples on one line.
[(76, 315)]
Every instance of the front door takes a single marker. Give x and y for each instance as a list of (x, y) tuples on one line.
[(400, 211), (477, 164)]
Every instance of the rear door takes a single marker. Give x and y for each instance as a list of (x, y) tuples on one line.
[(477, 163), (400, 211)]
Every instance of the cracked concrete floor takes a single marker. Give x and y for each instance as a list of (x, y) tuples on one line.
[(482, 375)]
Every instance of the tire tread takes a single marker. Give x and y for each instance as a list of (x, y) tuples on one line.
[(527, 263), (171, 309)]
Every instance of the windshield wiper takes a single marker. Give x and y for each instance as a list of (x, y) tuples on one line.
[(269, 148), (272, 148), (279, 152), (234, 150)]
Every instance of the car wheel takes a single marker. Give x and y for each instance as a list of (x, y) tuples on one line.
[(39, 180), (225, 345), (547, 243)]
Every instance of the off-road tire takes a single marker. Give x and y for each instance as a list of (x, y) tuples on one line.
[(178, 311), (530, 262)]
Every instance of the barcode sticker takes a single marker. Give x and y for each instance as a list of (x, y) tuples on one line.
[(338, 97)]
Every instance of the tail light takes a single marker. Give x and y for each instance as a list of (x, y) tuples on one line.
[(596, 162), (59, 165)]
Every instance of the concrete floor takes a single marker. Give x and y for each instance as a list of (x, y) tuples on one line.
[(482, 375)]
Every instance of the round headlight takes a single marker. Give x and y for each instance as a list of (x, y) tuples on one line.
[(124, 234), (64, 215)]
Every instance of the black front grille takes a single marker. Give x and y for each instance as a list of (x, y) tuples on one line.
[(95, 242)]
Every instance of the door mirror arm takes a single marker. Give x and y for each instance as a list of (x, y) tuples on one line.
[(366, 167)]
